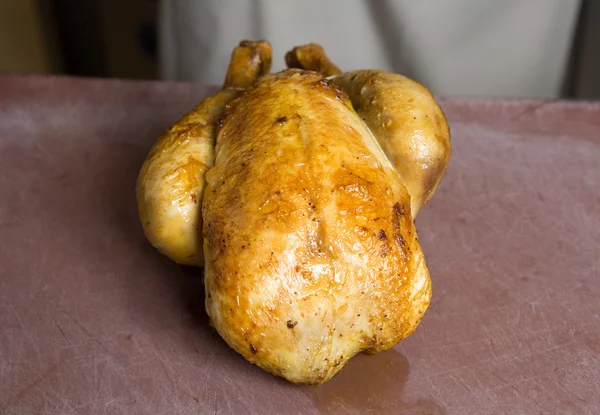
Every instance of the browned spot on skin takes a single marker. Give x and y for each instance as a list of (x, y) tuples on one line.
[(363, 231), (326, 84), (398, 209), (398, 216), (281, 120), (253, 349), (400, 241), (189, 173), (382, 236), (370, 344), (291, 324), (307, 275), (193, 197)]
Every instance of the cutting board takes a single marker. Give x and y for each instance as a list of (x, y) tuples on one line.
[(94, 320)]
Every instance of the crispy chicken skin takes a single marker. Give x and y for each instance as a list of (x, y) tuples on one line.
[(309, 183), (311, 252)]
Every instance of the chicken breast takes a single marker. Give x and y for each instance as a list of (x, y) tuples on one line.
[(311, 251)]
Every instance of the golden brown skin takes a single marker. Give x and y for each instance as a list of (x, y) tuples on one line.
[(311, 251), (401, 113), (171, 182)]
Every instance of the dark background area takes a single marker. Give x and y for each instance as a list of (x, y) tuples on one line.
[(100, 38), (111, 38)]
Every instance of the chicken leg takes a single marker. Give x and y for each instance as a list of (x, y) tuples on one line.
[(171, 181), (402, 114)]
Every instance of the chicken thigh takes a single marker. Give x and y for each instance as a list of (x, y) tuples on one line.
[(311, 253)]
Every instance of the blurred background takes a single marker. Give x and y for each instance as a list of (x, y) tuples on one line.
[(514, 48)]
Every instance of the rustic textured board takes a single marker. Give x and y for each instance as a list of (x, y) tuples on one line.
[(93, 320)]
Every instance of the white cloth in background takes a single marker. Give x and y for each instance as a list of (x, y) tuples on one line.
[(514, 48)]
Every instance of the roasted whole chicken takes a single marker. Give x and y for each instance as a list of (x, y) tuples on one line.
[(297, 192)]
